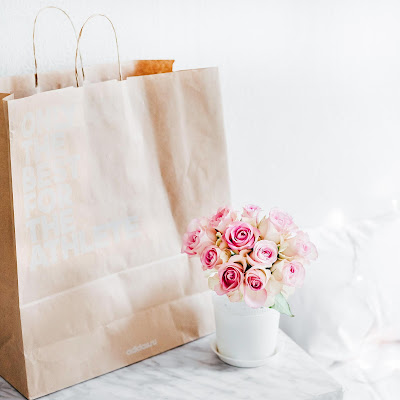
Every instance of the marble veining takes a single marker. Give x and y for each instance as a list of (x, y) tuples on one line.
[(193, 372)]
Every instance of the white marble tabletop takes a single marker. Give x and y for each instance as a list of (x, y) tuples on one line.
[(193, 372)]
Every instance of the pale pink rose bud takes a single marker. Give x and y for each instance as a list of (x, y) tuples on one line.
[(293, 274), (202, 224), (210, 257), (251, 211), (241, 235), (196, 238), (282, 221), (222, 219), (191, 241), (301, 246), (254, 292), (250, 214), (264, 254), (230, 278)]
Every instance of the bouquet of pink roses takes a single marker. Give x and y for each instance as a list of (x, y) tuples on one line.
[(250, 257)]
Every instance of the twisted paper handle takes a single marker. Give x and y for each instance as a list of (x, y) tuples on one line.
[(34, 46), (77, 47)]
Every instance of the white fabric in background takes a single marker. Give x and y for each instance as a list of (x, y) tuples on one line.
[(331, 313), (347, 313), (379, 260)]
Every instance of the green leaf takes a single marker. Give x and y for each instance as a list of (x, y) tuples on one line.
[(282, 305)]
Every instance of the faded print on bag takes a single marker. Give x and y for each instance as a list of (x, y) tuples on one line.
[(49, 172)]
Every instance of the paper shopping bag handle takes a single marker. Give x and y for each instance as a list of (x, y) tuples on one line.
[(77, 47), (34, 46)]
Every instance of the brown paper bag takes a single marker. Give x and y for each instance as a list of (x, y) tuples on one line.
[(97, 186)]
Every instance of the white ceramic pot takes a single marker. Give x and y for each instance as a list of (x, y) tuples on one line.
[(244, 333)]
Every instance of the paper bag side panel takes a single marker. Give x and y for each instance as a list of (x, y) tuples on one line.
[(12, 362), (190, 141)]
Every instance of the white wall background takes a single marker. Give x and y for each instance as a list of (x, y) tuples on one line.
[(311, 88)]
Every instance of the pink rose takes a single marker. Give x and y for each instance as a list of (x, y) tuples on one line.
[(196, 237), (282, 221), (251, 211), (254, 292), (191, 241), (230, 278), (293, 274), (222, 218), (210, 257), (202, 224), (241, 235), (301, 246), (264, 254)]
